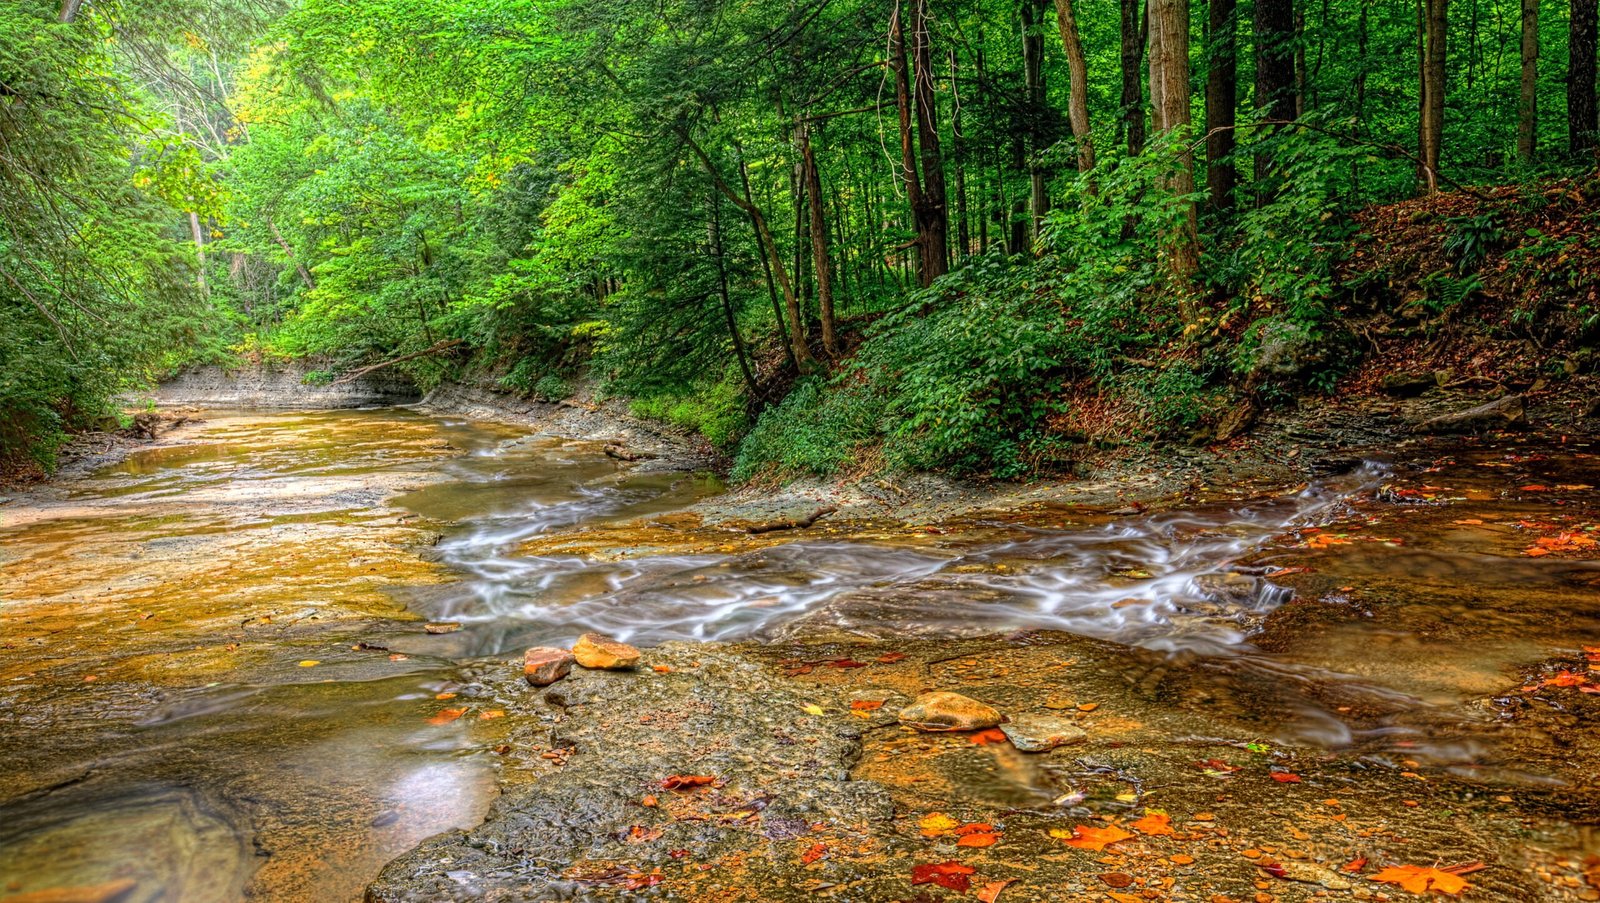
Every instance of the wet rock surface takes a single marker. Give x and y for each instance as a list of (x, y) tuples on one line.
[(944, 711), (544, 665), (603, 653)]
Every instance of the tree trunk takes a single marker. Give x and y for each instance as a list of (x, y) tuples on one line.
[(200, 253), (791, 303), (958, 152), (1033, 86), (934, 217), (288, 250), (819, 242), (69, 11), (1078, 89), (766, 265), (1133, 39), (1433, 91), (1221, 101), (908, 152), (1169, 101), (1274, 37), (1580, 76), (1528, 98), (715, 227)]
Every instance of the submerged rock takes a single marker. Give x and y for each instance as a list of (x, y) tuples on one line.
[(948, 712), (544, 665), (600, 652), (438, 627), (1042, 733)]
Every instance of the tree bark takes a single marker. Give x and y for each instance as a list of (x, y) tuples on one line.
[(1169, 102), (1274, 37), (1528, 97), (1221, 102), (819, 242), (1033, 86), (791, 303), (958, 152), (288, 250), (1433, 91), (935, 215), (715, 227), (1078, 89), (901, 68), (69, 11), (1581, 118), (1133, 40), (778, 314)]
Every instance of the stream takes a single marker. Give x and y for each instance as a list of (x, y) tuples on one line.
[(215, 684)]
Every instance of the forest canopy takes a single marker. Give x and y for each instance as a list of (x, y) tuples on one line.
[(827, 234)]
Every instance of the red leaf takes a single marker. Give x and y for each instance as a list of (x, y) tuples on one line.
[(992, 735), (1284, 777), (949, 874)]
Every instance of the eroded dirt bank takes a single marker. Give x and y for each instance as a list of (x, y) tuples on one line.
[(219, 646)]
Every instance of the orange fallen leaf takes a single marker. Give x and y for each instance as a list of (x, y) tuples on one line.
[(1419, 880), (978, 840), (1182, 859), (444, 696), (446, 716), (889, 658), (937, 824), (991, 891), (1469, 521), (992, 735), (1284, 777), (816, 852), (1155, 823), (492, 714), (866, 705), (1085, 837), (1355, 865)]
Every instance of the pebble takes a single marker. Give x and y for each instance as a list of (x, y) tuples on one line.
[(595, 651), (948, 712), (1041, 733), (544, 665)]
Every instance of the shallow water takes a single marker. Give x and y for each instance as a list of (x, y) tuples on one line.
[(213, 682)]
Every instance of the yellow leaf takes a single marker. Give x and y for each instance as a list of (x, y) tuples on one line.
[(309, 663), (937, 824), (812, 708)]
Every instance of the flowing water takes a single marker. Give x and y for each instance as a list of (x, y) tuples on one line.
[(214, 684)]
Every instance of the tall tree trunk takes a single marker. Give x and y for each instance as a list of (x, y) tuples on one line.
[(1433, 91), (200, 253), (778, 314), (69, 11), (1078, 89), (1274, 37), (715, 227), (1033, 86), (933, 219), (1581, 122), (819, 243), (791, 302), (1169, 101), (1221, 102), (958, 152), (1131, 122), (1299, 63), (908, 151), (1528, 97)]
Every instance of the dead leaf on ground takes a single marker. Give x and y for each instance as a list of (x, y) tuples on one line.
[(1420, 880), (949, 874)]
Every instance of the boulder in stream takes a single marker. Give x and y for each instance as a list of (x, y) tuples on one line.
[(544, 665), (1042, 733), (1497, 414), (603, 653), (948, 712)]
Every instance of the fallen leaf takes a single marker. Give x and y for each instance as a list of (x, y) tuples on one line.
[(686, 781), (937, 824), (1468, 521), (1181, 859), (1419, 880), (866, 705), (1355, 865), (1284, 777), (889, 658), (492, 714), (991, 891), (1088, 706), (1155, 823), (444, 696), (816, 852), (446, 716), (978, 840), (992, 735), (310, 663), (1117, 879), (976, 827), (812, 708), (1085, 837), (845, 663), (949, 874), (641, 834)]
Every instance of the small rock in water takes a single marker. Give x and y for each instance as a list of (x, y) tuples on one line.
[(544, 665), (595, 651), (948, 712), (1041, 733), (437, 627)]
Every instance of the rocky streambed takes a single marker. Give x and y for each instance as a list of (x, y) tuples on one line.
[(282, 657)]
